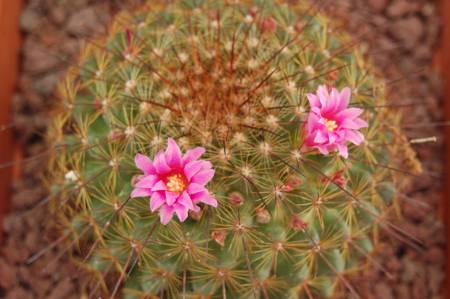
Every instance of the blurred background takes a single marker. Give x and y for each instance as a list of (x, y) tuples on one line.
[(41, 38)]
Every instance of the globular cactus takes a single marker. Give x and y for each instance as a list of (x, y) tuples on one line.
[(282, 156)]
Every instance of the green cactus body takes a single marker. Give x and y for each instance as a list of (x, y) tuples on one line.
[(233, 78)]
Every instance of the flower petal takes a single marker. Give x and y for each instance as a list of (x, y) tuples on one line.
[(343, 150), (195, 188), (323, 149), (144, 163), (165, 214), (208, 199), (193, 154), (140, 192), (361, 123), (182, 212), (331, 137), (203, 176), (160, 163), (355, 137), (192, 168), (196, 208), (333, 102), (320, 137), (313, 122), (316, 110), (156, 201), (344, 98), (349, 113), (313, 100), (146, 182), (323, 95), (349, 124), (186, 200), (159, 186), (173, 154), (171, 197)]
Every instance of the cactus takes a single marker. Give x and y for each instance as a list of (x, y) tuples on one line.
[(286, 215)]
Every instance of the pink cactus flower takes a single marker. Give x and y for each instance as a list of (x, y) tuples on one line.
[(174, 182), (331, 124)]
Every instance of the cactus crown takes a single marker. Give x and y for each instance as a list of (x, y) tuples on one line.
[(232, 78)]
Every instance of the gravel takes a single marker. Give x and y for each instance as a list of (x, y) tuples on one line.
[(378, 6), (403, 34), (406, 33)]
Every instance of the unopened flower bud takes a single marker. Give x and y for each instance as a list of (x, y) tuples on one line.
[(339, 178), (236, 199), (219, 237), (269, 25), (292, 183), (298, 224), (262, 216), (253, 11), (115, 134)]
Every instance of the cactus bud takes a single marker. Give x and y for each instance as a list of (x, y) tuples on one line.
[(269, 25), (219, 237), (236, 199), (298, 224), (262, 216)]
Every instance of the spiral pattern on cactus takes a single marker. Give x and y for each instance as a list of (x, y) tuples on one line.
[(231, 77)]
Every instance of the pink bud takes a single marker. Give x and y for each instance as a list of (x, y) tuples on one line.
[(269, 25), (292, 183), (115, 134), (262, 216), (236, 199), (339, 178), (298, 224), (98, 104), (299, 26), (219, 237), (129, 37), (253, 11)]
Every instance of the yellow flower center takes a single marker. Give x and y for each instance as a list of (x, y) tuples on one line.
[(331, 125), (176, 183)]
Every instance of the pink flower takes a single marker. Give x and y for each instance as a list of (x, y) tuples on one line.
[(174, 182), (331, 124)]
